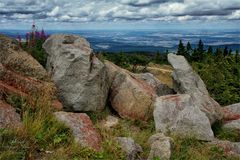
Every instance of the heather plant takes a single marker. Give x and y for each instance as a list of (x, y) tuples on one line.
[(33, 44)]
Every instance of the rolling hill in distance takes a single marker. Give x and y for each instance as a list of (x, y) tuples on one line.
[(148, 40)]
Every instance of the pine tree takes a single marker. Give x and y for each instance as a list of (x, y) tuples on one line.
[(158, 57), (198, 53), (181, 48), (200, 48), (210, 50), (230, 51), (225, 52), (189, 47), (219, 53), (237, 56), (189, 51)]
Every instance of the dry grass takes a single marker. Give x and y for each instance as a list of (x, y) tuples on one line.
[(162, 72)]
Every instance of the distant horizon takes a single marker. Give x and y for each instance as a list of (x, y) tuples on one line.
[(125, 29), (146, 40)]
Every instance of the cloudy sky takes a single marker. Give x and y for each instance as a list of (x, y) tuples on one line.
[(120, 14)]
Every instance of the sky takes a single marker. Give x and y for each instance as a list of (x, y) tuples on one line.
[(120, 14)]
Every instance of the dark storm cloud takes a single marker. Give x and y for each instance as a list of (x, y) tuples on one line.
[(11, 12), (206, 13), (139, 3)]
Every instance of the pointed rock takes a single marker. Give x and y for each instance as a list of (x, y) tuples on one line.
[(186, 81)]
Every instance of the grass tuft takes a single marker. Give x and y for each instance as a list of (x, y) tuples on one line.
[(190, 148), (225, 134)]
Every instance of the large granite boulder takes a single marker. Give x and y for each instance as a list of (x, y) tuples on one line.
[(177, 115), (186, 81), (14, 58), (80, 76), (8, 116), (131, 97), (161, 147), (81, 125), (160, 88)]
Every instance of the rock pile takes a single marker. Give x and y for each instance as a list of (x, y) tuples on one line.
[(84, 83)]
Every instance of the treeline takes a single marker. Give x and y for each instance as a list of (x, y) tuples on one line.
[(199, 54)]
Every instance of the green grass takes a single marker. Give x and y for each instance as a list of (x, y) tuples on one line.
[(139, 131), (42, 132), (225, 134), (186, 149), (12, 145)]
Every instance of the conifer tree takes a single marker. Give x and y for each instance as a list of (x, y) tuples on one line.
[(219, 53), (189, 47), (225, 52), (158, 57), (237, 56), (188, 51), (210, 50), (181, 48), (198, 53), (230, 51), (200, 48)]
